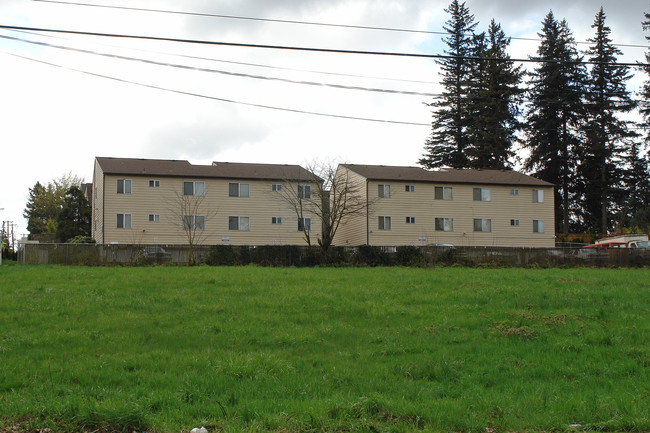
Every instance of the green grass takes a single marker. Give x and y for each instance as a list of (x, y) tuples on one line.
[(273, 349)]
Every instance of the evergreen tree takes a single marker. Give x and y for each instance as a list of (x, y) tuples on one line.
[(41, 209), (636, 184), (448, 140), (74, 217), (555, 113), (607, 136), (492, 99), (644, 105)]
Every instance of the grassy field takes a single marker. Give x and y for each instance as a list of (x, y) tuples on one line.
[(380, 350)]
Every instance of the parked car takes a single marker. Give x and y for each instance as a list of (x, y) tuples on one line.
[(156, 253), (608, 245), (639, 244)]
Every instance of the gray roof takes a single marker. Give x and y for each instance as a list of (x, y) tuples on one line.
[(223, 170), (465, 176)]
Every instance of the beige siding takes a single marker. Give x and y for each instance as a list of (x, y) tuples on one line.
[(352, 231), (97, 227), (216, 206), (501, 209)]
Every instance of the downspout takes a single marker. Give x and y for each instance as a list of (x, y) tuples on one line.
[(367, 215)]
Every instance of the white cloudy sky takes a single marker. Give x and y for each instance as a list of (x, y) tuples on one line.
[(54, 119)]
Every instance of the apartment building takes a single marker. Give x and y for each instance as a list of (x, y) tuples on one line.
[(149, 201), (413, 206)]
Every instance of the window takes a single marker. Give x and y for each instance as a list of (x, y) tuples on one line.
[(276, 187), (154, 184), (384, 223), (482, 194), (193, 222), (239, 223), (238, 189), (514, 223), (304, 191), (124, 186), (409, 188), (383, 191), (538, 226), (538, 196), (194, 188), (123, 220), (443, 193), (514, 191), (304, 224), (444, 224), (482, 225), (410, 220), (276, 220), (154, 218)]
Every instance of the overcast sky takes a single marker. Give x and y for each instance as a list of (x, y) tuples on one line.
[(59, 108)]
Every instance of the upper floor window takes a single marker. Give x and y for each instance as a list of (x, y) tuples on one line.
[(154, 218), (443, 193), (123, 220), (154, 184), (193, 222), (304, 191), (304, 224), (409, 188), (276, 187), (383, 190), (514, 223), (538, 196), (538, 226), (124, 186), (384, 223), (240, 223), (238, 189), (482, 194), (194, 188), (482, 225), (514, 191), (444, 224), (410, 220), (276, 220)]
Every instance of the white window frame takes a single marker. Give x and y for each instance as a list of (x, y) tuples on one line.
[(154, 183), (538, 196), (276, 187), (514, 192), (304, 192), (126, 186), (409, 188), (127, 220), (447, 224), (484, 194), (538, 226), (443, 193), (154, 218), (238, 189), (486, 225), (194, 222), (198, 188), (383, 190), (410, 220), (276, 220), (243, 223), (304, 223), (384, 223), (514, 222)]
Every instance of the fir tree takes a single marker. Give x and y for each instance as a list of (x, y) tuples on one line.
[(448, 140), (555, 113), (607, 136), (492, 98), (74, 217)]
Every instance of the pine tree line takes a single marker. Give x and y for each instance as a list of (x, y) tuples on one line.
[(574, 127)]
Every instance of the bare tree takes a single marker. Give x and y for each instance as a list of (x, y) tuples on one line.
[(330, 195), (190, 215)]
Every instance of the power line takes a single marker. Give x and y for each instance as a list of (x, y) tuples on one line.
[(214, 98), (307, 49), (216, 71), (272, 20)]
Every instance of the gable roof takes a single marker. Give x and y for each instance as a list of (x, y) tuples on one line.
[(464, 176), (220, 170)]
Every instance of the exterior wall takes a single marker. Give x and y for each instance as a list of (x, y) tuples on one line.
[(501, 209), (97, 223), (167, 202), (353, 230)]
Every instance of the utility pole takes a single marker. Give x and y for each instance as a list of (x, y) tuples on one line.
[(2, 237)]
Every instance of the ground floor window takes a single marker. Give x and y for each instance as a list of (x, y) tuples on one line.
[(239, 223), (123, 220), (482, 225)]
